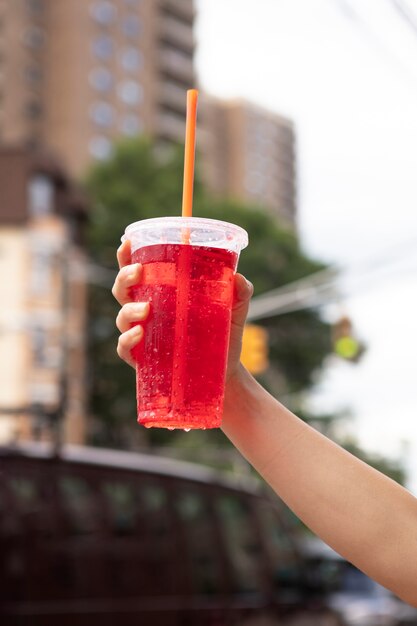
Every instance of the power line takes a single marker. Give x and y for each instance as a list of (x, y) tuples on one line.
[(406, 14), (350, 12), (312, 292)]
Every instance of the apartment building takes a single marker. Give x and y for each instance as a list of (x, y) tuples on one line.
[(249, 154), (42, 300), (82, 73)]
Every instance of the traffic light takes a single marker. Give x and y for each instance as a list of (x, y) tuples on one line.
[(345, 344), (254, 354)]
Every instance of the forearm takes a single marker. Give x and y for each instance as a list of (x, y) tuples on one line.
[(361, 513)]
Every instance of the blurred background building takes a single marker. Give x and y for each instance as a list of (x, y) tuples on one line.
[(42, 299), (74, 78), (80, 74), (248, 153)]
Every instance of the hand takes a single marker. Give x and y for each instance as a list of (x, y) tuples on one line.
[(137, 312)]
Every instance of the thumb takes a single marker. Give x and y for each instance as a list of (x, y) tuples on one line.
[(242, 295)]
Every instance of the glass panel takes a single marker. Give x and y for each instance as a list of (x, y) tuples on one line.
[(130, 92), (101, 79), (242, 544), (203, 553), (41, 193), (162, 566), (131, 125), (131, 26), (284, 559), (131, 59), (78, 501), (103, 47), (122, 507), (34, 37), (101, 147), (102, 114), (153, 506), (26, 493), (104, 12), (35, 6)]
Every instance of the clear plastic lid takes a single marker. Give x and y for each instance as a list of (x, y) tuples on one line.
[(200, 232)]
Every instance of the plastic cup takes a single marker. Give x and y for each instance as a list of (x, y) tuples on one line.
[(188, 273)]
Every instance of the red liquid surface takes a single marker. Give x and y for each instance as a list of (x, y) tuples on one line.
[(181, 361)]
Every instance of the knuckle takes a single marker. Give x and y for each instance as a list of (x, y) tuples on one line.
[(119, 319), (122, 342), (128, 310)]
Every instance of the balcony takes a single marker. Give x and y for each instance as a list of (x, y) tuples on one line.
[(184, 9), (177, 33), (170, 126), (177, 64), (172, 96)]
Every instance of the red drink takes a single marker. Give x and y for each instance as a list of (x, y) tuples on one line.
[(181, 361)]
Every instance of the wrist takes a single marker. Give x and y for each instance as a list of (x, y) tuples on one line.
[(236, 379), (239, 386)]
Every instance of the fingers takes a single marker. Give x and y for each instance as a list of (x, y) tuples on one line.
[(127, 341), (242, 295), (128, 276), (130, 313), (124, 254)]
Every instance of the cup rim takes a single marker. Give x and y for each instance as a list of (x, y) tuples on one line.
[(238, 233)]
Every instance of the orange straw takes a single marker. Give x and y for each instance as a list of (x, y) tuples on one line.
[(189, 155)]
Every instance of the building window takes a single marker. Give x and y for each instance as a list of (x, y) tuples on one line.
[(41, 273), (38, 336), (33, 74), (255, 182), (131, 125), (101, 147), (104, 12), (33, 109), (36, 7), (43, 393), (103, 47), (41, 194), (102, 114), (101, 79), (131, 59), (130, 92), (131, 26), (34, 37)]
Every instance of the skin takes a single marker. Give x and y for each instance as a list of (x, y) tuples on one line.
[(365, 516)]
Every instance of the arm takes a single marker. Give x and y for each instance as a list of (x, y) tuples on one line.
[(362, 514)]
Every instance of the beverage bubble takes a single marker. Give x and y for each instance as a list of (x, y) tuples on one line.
[(171, 428), (187, 430)]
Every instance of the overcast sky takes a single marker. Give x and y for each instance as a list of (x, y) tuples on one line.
[(346, 72)]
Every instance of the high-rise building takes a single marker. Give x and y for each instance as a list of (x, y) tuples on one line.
[(80, 73), (248, 153), (42, 300)]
